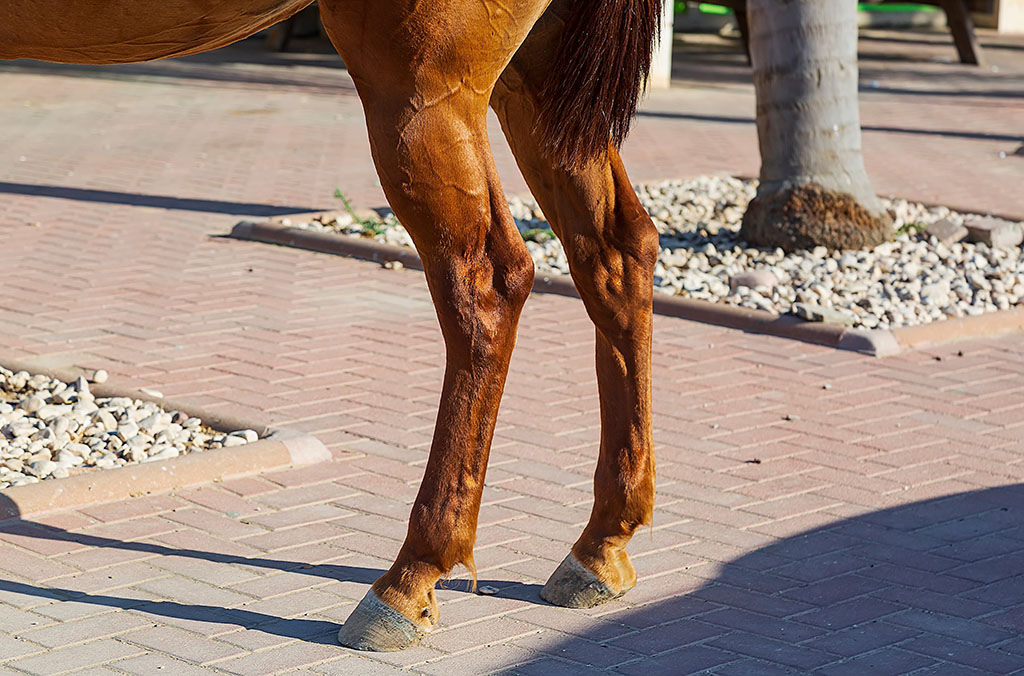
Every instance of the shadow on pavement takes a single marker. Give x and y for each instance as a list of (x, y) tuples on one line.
[(314, 631), (937, 39), (156, 201), (724, 119), (935, 585), (906, 63)]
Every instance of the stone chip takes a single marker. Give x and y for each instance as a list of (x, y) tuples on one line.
[(820, 313), (995, 232), (946, 231), (754, 279)]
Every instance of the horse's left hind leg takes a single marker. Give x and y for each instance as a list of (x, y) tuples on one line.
[(612, 246)]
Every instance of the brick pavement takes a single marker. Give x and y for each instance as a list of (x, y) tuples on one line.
[(878, 530), (252, 133)]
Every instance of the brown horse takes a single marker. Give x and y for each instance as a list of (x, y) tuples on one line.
[(563, 77)]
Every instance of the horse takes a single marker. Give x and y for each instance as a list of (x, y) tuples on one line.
[(564, 77)]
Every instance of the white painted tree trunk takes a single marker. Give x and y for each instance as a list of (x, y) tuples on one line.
[(661, 66), (804, 55)]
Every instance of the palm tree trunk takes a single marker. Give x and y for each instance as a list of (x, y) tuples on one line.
[(814, 190)]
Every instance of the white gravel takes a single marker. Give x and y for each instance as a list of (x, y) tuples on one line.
[(50, 429), (912, 280)]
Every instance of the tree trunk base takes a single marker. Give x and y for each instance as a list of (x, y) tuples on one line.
[(808, 216)]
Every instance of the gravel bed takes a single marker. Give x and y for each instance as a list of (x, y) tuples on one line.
[(914, 279), (50, 429)]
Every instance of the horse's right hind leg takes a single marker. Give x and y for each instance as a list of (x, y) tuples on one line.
[(612, 246)]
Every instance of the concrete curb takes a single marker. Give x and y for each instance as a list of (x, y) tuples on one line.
[(961, 328), (274, 452), (874, 342), (299, 238), (276, 449)]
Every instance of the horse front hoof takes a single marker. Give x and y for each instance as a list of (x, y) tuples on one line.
[(573, 586), (376, 626)]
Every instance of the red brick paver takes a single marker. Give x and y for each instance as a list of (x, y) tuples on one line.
[(878, 529)]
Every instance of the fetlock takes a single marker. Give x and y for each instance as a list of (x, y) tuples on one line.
[(608, 562)]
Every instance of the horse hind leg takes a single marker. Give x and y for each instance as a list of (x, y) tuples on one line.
[(612, 247), (426, 116)]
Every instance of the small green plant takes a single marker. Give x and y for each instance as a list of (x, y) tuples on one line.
[(371, 225), (910, 228), (540, 235)]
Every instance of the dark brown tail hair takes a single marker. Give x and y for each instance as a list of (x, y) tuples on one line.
[(592, 91)]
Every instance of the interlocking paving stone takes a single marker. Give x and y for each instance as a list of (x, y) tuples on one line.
[(13, 620), (480, 661), (861, 639), (188, 647), (146, 665), (771, 650), (751, 667), (888, 661), (594, 655), (76, 657), (688, 660), (952, 627), (546, 666), (12, 647), (959, 652), (351, 665), (81, 631), (271, 661), (849, 613)]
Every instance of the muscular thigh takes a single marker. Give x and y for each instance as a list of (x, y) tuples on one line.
[(438, 45)]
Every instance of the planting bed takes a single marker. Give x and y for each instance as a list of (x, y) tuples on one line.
[(50, 429), (916, 279)]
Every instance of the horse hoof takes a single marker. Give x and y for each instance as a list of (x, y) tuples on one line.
[(573, 586), (374, 625)]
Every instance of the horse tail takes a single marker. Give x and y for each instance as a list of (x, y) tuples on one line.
[(592, 91)]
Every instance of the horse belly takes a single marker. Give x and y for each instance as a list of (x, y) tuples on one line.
[(125, 31)]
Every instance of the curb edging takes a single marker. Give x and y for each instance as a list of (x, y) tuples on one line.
[(985, 325), (342, 245), (873, 342), (136, 479), (277, 448), (876, 342)]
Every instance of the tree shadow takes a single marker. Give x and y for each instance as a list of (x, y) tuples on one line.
[(884, 129), (313, 631), (717, 61), (939, 39), (155, 201), (935, 586)]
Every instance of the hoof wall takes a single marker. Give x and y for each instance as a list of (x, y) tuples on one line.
[(374, 625), (573, 586)]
